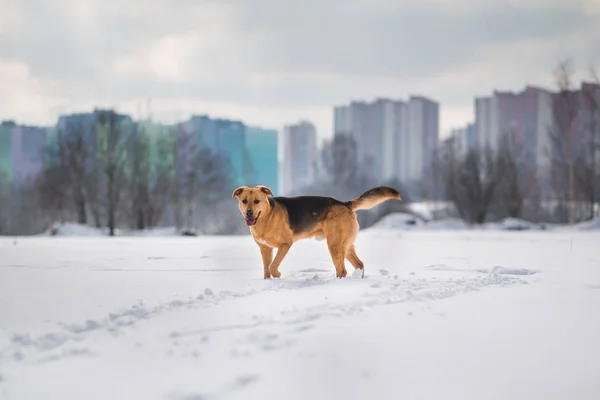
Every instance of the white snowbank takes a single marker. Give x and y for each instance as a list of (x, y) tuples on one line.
[(399, 221), (170, 231), (593, 224), (410, 222), (74, 229), (513, 224), (395, 221), (69, 229)]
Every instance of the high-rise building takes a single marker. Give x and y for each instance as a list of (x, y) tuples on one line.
[(299, 156), (232, 144), (6, 134), (262, 145), (576, 116), (463, 140), (526, 118), (28, 145), (526, 115), (223, 137), (160, 141), (401, 146), (395, 139), (251, 151), (423, 130), (484, 114), (353, 120), (374, 128), (471, 136), (575, 137)]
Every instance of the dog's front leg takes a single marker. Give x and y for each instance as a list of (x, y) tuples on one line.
[(281, 253), (267, 257)]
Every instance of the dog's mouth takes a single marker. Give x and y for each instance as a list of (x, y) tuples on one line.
[(251, 221)]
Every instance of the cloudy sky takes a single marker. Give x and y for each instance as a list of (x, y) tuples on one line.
[(271, 62)]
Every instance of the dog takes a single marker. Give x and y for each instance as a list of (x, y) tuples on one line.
[(278, 222)]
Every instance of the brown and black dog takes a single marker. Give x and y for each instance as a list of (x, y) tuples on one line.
[(278, 222)]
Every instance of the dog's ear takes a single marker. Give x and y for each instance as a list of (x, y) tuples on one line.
[(265, 190), (237, 191)]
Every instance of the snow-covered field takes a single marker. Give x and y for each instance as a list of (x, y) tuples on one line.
[(465, 314)]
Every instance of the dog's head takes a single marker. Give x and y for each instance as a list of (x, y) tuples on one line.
[(253, 202)]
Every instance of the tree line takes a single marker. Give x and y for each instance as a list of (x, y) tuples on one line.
[(116, 175)]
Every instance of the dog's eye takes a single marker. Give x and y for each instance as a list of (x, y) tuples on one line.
[(255, 201), (244, 201)]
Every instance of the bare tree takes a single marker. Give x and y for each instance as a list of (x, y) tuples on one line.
[(162, 177), (517, 174), (341, 170), (63, 186), (113, 137), (139, 178), (5, 200), (74, 154), (203, 178), (149, 177), (52, 190), (186, 170), (472, 182), (575, 141), (588, 174), (565, 114)]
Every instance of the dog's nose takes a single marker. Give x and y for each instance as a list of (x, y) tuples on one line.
[(249, 213)]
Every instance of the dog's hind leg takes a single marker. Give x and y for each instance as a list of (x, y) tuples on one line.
[(337, 256), (354, 260), (340, 230)]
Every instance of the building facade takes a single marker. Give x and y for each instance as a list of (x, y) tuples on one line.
[(91, 129), (300, 156), (423, 120), (223, 137), (262, 145), (232, 144), (463, 140), (27, 153), (251, 151), (524, 120), (6, 134), (395, 139)]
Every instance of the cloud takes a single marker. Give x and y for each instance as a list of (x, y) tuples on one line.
[(22, 93), (272, 63)]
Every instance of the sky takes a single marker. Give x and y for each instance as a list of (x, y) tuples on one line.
[(272, 63)]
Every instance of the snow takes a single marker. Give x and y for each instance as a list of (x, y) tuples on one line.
[(406, 221), (70, 229), (441, 314), (396, 221), (74, 229), (593, 224)]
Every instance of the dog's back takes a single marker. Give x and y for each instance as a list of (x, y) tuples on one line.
[(305, 212)]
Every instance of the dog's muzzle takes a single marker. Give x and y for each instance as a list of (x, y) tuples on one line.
[(251, 220)]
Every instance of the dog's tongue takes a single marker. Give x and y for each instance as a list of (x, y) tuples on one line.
[(250, 221)]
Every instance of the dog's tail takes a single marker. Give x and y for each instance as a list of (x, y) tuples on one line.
[(372, 197)]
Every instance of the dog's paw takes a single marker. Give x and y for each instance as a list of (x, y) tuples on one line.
[(275, 273)]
